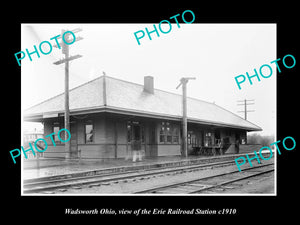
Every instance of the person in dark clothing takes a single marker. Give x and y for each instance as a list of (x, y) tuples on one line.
[(237, 146)]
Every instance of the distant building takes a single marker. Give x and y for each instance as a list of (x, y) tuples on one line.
[(29, 137), (107, 115)]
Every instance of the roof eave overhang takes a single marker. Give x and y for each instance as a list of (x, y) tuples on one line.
[(220, 124), (40, 117)]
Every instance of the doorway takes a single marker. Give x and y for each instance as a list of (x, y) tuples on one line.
[(136, 142), (237, 142), (135, 137), (217, 137), (73, 141), (136, 132)]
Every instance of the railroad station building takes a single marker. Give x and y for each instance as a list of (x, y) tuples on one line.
[(107, 115)]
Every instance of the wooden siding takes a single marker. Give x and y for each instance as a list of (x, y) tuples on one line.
[(110, 137)]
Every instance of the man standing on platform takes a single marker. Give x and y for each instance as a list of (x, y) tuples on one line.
[(136, 146)]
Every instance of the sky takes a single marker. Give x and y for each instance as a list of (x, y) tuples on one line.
[(213, 53)]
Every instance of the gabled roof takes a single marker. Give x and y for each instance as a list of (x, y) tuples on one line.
[(124, 97)]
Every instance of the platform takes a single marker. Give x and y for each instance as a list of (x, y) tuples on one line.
[(48, 168)]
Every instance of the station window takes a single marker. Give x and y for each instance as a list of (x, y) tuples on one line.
[(191, 139), (162, 133), (175, 135), (55, 130), (89, 133), (168, 133), (243, 142), (128, 131), (208, 139)]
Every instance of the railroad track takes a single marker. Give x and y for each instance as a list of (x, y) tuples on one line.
[(37, 186), (208, 183)]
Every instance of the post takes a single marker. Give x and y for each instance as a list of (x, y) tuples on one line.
[(79, 154), (116, 139), (65, 51), (38, 163), (245, 103), (245, 109), (67, 111), (184, 118), (183, 82)]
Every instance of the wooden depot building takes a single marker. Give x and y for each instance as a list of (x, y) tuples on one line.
[(107, 115)]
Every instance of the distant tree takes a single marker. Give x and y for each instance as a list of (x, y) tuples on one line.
[(264, 140)]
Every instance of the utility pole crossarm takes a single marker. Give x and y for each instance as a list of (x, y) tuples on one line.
[(245, 103), (61, 43), (67, 59)]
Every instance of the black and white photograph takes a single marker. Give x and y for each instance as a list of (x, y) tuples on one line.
[(142, 109), (146, 111)]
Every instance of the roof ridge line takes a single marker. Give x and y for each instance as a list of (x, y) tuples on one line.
[(159, 89), (105, 94)]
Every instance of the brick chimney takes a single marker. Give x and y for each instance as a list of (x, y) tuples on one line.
[(149, 84)]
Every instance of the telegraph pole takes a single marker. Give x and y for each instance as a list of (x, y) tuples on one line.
[(183, 82), (65, 51), (246, 102)]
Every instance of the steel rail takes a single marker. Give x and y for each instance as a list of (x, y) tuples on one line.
[(231, 181), (155, 189), (63, 183)]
